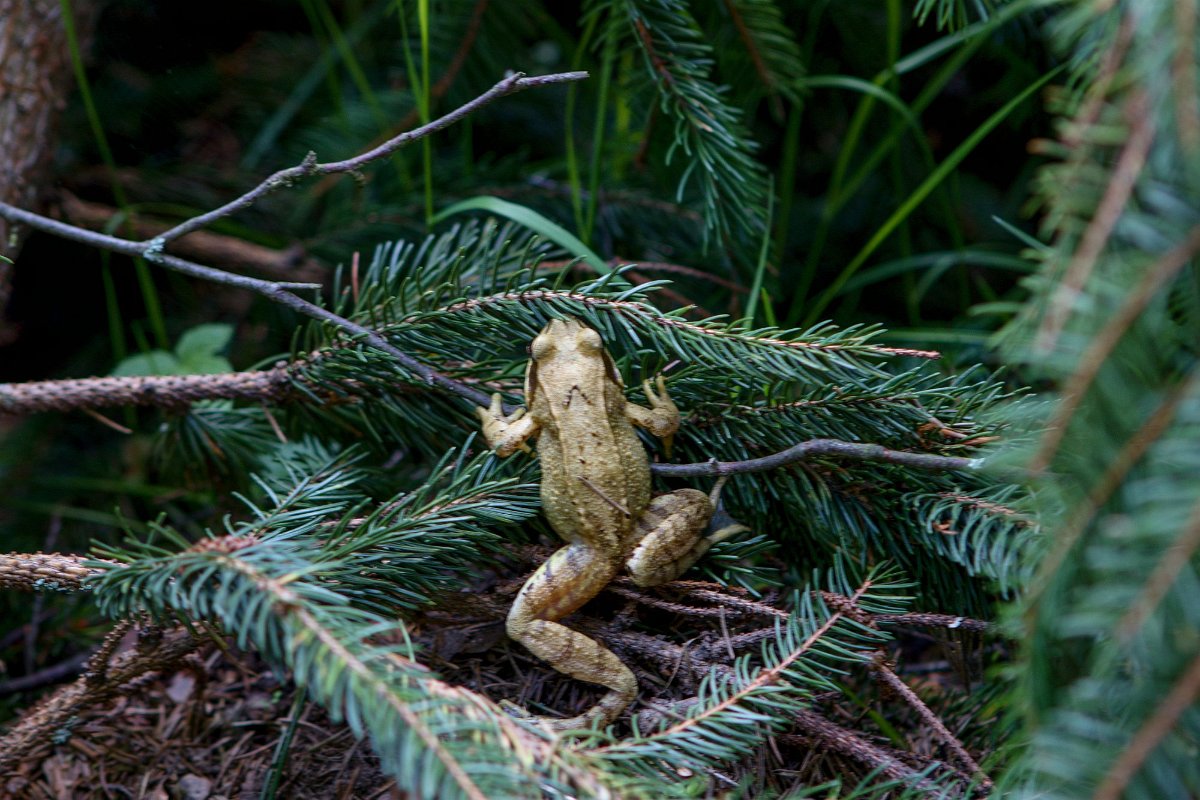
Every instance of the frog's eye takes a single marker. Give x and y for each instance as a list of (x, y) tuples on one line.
[(589, 341), (541, 346)]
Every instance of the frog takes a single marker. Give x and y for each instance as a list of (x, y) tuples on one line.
[(596, 494)]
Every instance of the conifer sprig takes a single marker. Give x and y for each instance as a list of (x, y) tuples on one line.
[(709, 136)]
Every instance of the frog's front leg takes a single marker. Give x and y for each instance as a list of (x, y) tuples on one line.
[(662, 418), (571, 577), (504, 434), (672, 534)]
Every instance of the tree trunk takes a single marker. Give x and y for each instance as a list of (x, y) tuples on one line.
[(35, 77)]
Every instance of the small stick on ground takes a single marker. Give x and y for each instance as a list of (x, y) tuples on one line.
[(893, 681)]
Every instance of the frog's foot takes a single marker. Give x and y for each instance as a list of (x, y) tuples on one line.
[(662, 418), (504, 432), (721, 526), (598, 715), (514, 710)]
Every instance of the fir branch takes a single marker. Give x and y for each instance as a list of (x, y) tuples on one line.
[(855, 746), (1159, 275), (272, 386), (708, 130), (1177, 702), (45, 571), (1117, 193), (771, 46), (734, 712), (711, 329)]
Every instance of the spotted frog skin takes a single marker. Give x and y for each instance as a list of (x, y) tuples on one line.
[(596, 495)]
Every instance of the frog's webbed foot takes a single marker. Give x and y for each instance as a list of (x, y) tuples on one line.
[(582, 722), (721, 526), (505, 432)]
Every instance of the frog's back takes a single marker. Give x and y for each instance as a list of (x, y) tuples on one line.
[(595, 474)]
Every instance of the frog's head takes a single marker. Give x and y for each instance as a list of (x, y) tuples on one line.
[(565, 338), (567, 348)]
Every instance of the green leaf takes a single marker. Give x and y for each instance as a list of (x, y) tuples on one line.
[(203, 340), (153, 362), (198, 349)]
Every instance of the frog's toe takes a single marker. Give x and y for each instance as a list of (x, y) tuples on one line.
[(514, 710), (721, 526)]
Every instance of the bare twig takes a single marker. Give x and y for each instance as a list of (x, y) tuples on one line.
[(1153, 730), (309, 167), (901, 688), (934, 621), (291, 263), (279, 291), (854, 746), (54, 673), (814, 448)]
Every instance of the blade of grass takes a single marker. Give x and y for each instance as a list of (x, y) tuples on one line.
[(268, 135), (763, 252), (573, 176), (902, 266), (971, 38), (918, 196), (531, 219), (606, 70), (423, 108), (144, 278)]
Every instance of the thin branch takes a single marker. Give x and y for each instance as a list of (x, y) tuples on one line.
[(764, 677), (1102, 345), (934, 621), (130, 248), (815, 448), (511, 84), (1183, 76), (852, 745), (291, 263), (278, 291), (169, 391), (1116, 195), (1156, 727), (901, 688), (51, 674), (275, 291), (55, 716)]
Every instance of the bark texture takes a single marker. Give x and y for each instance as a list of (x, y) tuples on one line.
[(35, 77)]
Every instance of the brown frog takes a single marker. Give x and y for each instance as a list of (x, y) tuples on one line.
[(596, 495)]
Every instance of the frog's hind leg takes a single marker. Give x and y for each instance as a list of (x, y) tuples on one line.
[(570, 578), (675, 532)]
